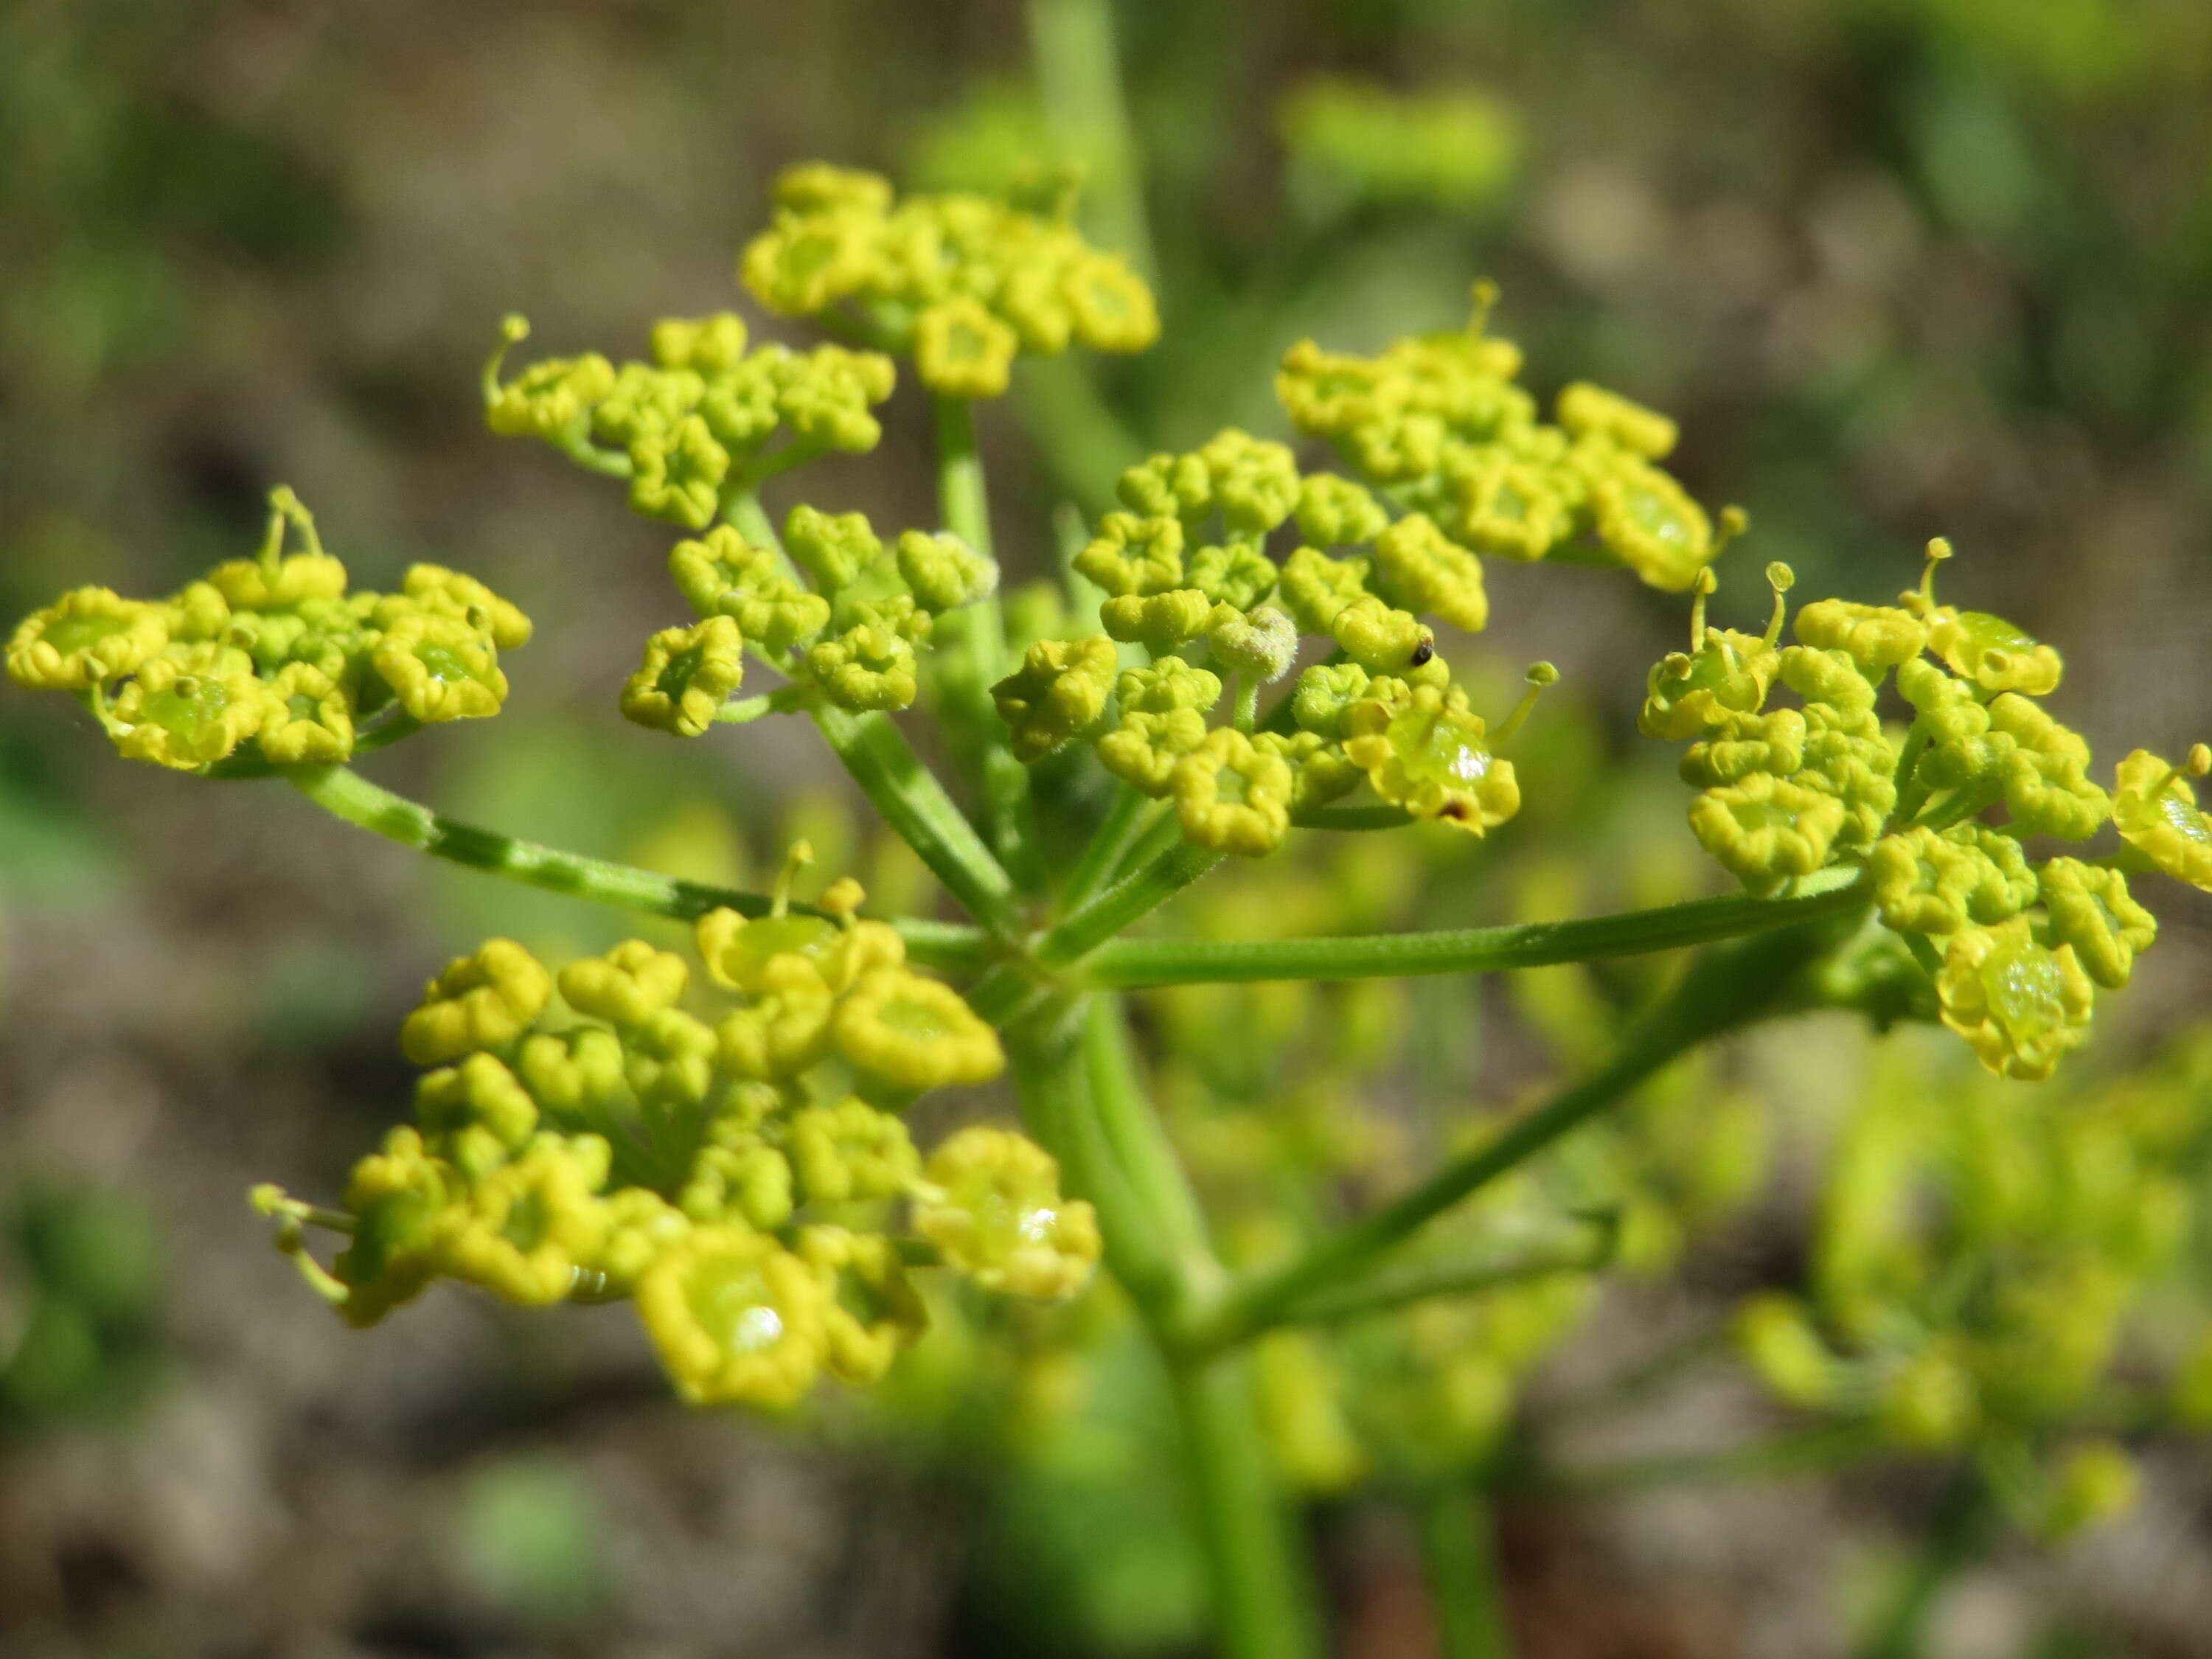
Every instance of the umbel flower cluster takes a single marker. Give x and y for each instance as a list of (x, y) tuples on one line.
[(725, 1146), (2018, 949), (1977, 1268), (736, 1171), (274, 650)]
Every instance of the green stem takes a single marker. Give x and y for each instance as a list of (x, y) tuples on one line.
[(915, 805), (972, 647), (784, 700), (1128, 817), (1401, 1288), (1139, 1144), (1126, 963), (1262, 1603), (1748, 981), (1459, 1548), (1380, 815), (1122, 903), (345, 793), (1962, 1532), (1079, 68)]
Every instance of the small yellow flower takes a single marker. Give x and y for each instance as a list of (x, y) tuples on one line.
[(1423, 748), (308, 717), (626, 986), (872, 1309), (2156, 810), (526, 1229), (440, 668), (915, 1034), (961, 350), (1232, 796), (998, 1217), (189, 708), (483, 1001), (687, 676), (89, 635), (736, 1318), (2021, 1005)]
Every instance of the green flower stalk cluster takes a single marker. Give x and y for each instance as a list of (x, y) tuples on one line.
[(1189, 582), (962, 284), (700, 423), (2018, 949), (736, 1169), (1978, 1272), (1437, 423), (274, 652)]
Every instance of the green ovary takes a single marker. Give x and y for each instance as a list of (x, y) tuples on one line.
[(2026, 993), (734, 1307), (444, 665), (914, 1021), (1432, 749), (1652, 512), (73, 633)]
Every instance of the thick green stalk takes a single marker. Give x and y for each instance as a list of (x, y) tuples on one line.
[(1459, 1548), (1139, 1144), (1054, 1079), (1734, 987), (973, 648), (915, 804), (1263, 1606), (345, 793), (1126, 963), (1122, 903)]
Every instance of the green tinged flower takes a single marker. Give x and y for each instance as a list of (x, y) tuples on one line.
[(998, 1216), (1590, 411), (1321, 770), (736, 1318), (866, 666), (1993, 654), (872, 1309), (741, 1182), (475, 1112), (2092, 911), (1767, 830), (1419, 568), (1261, 645), (1741, 744), (1423, 748), (439, 669), (628, 985), (189, 708), (87, 636), (1237, 575), (549, 400), (1653, 526), (307, 717), (677, 474), (1383, 639), (1326, 693), (709, 345), (1058, 693), (485, 1001), (1163, 720), (723, 575), (2046, 772), (2158, 816), (687, 676), (961, 350), (1875, 637), (1162, 621), (911, 1034), (835, 550), (1502, 503), (1929, 881), (1334, 512), (1134, 558), (850, 1153), (402, 1199), (1233, 795), (668, 1059), (943, 572), (1317, 589), (524, 1230), (2020, 1004), (786, 1028)]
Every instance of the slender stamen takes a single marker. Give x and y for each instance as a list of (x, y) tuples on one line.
[(1781, 578), (1939, 549), (1705, 586), (800, 855), (1485, 296), (513, 328), (1540, 675)]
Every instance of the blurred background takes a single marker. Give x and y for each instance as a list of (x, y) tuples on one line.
[(1899, 267)]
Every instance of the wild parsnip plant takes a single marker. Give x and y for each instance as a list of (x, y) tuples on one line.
[(1240, 660)]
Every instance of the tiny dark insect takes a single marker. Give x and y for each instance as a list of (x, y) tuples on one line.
[(1422, 652)]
